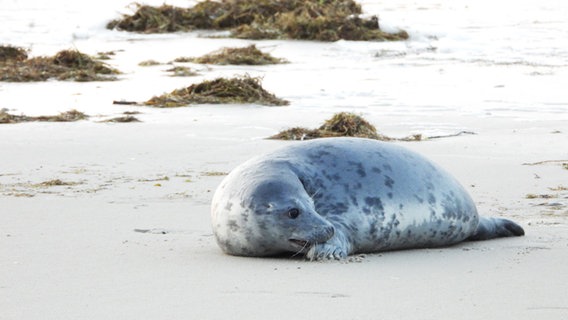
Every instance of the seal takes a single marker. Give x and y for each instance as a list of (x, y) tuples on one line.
[(329, 198)]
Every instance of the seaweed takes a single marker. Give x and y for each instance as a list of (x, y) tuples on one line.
[(104, 55), (324, 20), (257, 32), (238, 90), (167, 18), (53, 183), (68, 116), (343, 124), (180, 71), (125, 103), (350, 125), (298, 133), (122, 119), (11, 53), (8, 118), (65, 65), (346, 124), (540, 196), (213, 173), (237, 56), (149, 63), (184, 59)]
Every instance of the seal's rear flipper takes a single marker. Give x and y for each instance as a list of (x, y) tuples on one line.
[(490, 228)]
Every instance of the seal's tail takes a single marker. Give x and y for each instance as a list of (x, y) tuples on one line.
[(490, 228)]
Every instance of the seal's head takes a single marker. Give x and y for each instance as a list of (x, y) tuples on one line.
[(266, 214)]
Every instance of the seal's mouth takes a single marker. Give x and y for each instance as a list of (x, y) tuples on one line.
[(300, 243)]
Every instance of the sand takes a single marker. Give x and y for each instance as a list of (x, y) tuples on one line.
[(126, 234), (79, 251)]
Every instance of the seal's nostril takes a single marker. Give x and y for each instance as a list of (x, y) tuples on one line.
[(331, 231), (328, 232)]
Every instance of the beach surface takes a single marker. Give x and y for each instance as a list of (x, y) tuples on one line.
[(111, 220)]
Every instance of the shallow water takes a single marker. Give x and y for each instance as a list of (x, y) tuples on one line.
[(464, 58)]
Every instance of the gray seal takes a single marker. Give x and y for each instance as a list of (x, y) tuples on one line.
[(329, 198)]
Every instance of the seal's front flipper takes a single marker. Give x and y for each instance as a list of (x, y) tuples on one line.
[(336, 248), (325, 251), (490, 228)]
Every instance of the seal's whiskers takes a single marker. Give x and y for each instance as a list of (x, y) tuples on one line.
[(306, 245)]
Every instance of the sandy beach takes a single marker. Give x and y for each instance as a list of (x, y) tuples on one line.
[(125, 233)]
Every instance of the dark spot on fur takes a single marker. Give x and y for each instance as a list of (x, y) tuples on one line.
[(374, 202), (233, 225), (354, 200), (361, 171), (319, 154), (431, 199), (359, 168), (374, 206), (389, 182), (374, 229)]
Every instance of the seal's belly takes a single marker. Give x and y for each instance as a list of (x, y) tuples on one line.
[(408, 229)]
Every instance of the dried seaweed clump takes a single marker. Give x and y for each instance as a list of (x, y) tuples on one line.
[(149, 63), (234, 90), (167, 18), (329, 20), (349, 125), (343, 124), (325, 20), (237, 56), (10, 53), (68, 116), (298, 133), (180, 71), (54, 183), (65, 65), (122, 119)]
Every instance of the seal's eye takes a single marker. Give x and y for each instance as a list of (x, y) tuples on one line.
[(293, 213)]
